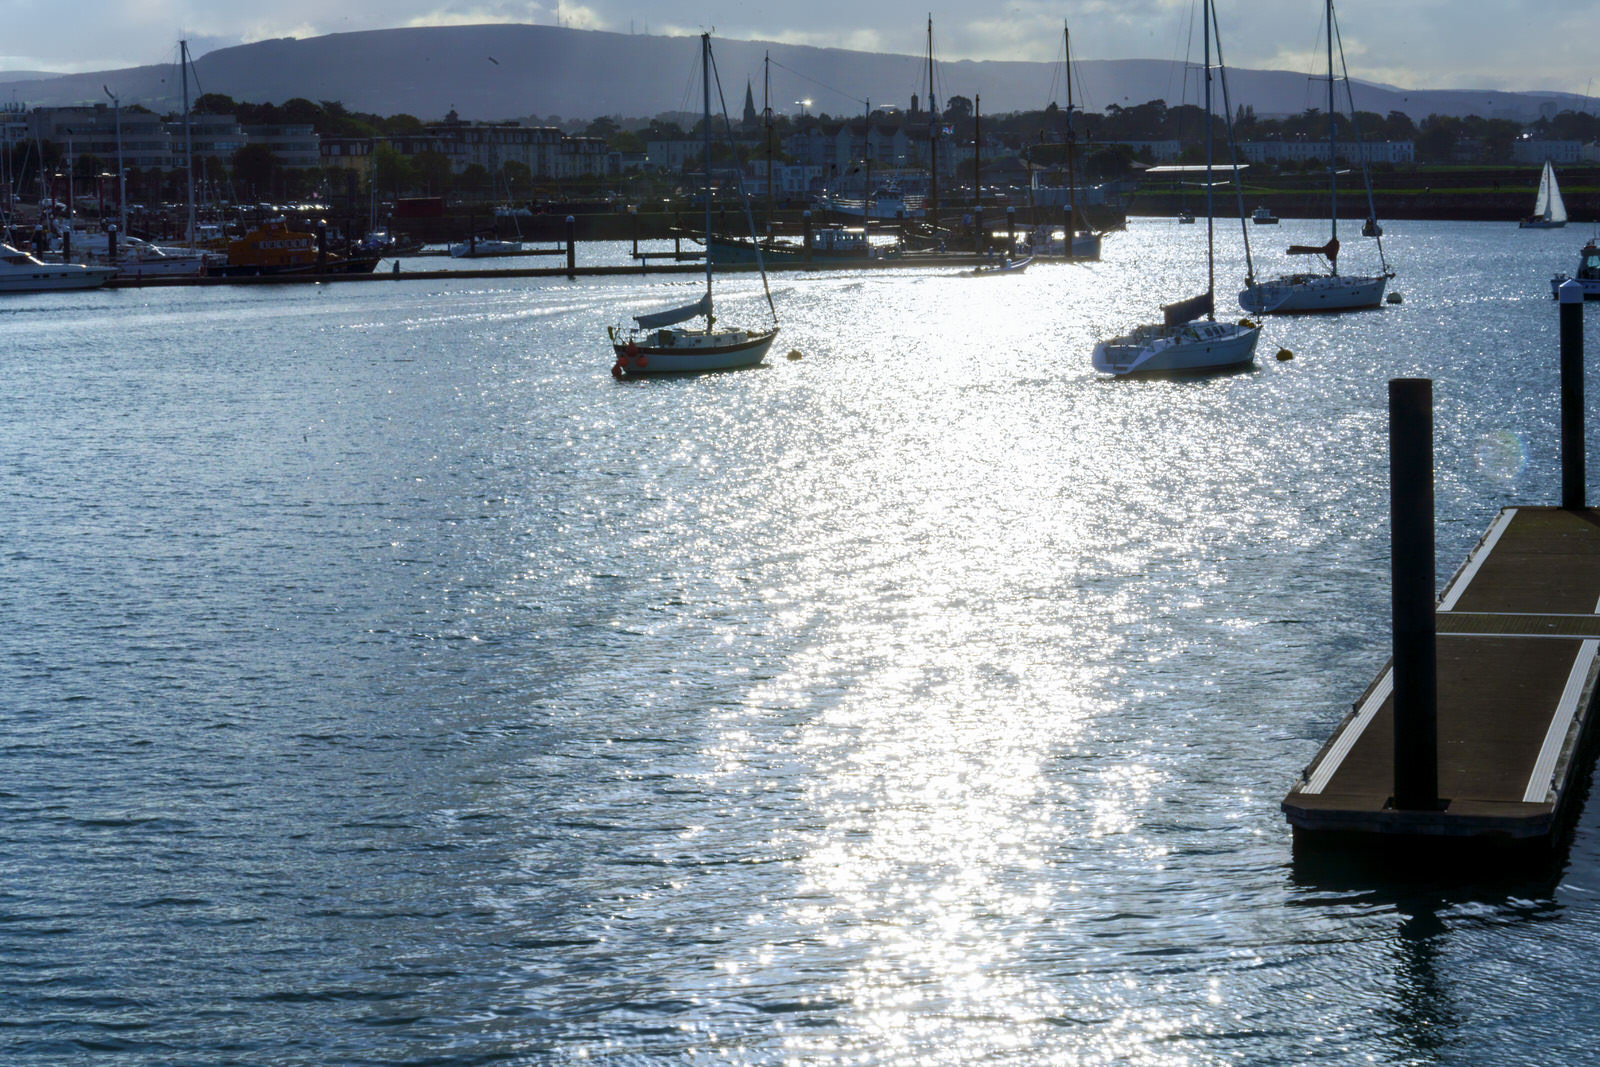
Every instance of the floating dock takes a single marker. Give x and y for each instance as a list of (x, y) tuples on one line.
[(1518, 657)]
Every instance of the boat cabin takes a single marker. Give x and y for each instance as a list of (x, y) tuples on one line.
[(1589, 263)]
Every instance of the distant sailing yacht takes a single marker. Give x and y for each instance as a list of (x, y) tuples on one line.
[(1549, 210), (657, 344), (1332, 291), (1183, 342)]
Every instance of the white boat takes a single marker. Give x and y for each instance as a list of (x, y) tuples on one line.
[(1189, 339), (1005, 265), (137, 258), (1588, 275), (1549, 210), (484, 247), (24, 273), (657, 343), (1261, 216), (1303, 292)]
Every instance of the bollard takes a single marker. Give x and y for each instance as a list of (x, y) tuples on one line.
[(572, 248), (1570, 294), (805, 224), (1416, 746)]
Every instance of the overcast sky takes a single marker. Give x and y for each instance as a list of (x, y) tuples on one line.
[(1433, 44)]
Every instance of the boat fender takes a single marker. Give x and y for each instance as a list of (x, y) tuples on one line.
[(1284, 355), (1395, 298), (632, 348), (641, 363), (616, 369)]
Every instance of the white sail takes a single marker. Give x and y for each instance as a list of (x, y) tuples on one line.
[(1555, 209), (1541, 204)]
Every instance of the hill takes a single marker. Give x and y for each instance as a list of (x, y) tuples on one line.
[(503, 71)]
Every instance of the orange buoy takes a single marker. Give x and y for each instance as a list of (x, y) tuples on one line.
[(616, 369), (641, 363)]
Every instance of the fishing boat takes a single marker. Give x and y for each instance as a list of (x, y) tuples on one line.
[(1189, 339), (1549, 210), (21, 272), (1588, 274), (1312, 291), (657, 343), (1263, 216)]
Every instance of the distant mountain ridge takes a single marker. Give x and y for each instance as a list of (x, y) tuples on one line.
[(501, 71)]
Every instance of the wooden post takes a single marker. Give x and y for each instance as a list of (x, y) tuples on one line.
[(572, 248), (1416, 746), (1572, 452)]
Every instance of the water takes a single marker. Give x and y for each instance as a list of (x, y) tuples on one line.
[(385, 684)]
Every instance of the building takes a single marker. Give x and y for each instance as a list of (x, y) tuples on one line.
[(1303, 151), (93, 131), (1529, 150), (293, 146)]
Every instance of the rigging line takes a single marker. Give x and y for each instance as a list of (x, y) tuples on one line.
[(1355, 135), (820, 85), (1233, 154), (738, 172)]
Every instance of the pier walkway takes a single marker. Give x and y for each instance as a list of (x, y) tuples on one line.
[(1518, 647)]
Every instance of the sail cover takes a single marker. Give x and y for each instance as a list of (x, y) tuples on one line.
[(675, 315), (1331, 250), (1187, 310)]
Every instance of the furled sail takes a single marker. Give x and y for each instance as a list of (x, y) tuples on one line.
[(1187, 310), (675, 315), (1331, 250)]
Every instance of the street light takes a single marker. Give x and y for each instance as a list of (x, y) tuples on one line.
[(122, 174), (803, 105)]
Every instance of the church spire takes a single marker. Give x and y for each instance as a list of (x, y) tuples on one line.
[(750, 117)]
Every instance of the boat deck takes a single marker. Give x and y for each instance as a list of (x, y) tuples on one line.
[(1518, 636)]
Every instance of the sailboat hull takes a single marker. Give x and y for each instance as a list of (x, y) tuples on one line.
[(1305, 294), (693, 351), (1541, 224), (1197, 348)]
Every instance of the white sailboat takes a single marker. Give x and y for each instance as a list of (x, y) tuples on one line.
[(1549, 210), (657, 344), (1189, 339), (1330, 290)]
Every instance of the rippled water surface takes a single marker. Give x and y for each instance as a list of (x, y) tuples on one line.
[(384, 683)]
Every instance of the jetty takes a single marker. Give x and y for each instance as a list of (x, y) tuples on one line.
[(1473, 734)]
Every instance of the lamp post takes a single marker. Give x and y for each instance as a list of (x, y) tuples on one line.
[(122, 174)]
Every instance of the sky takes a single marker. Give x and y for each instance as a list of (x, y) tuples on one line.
[(1423, 44)]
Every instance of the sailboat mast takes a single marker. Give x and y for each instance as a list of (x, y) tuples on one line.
[(1333, 169), (933, 140), (1211, 279), (1072, 146), (766, 118), (977, 155), (705, 75), (866, 194), (188, 134)]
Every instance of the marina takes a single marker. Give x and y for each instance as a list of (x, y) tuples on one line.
[(409, 690)]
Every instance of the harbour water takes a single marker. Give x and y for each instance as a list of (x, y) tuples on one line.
[(385, 684)]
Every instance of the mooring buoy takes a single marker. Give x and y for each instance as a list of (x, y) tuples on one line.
[(794, 353), (1284, 355)]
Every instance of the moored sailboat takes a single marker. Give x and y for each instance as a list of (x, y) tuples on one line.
[(1323, 291), (1189, 339), (657, 343)]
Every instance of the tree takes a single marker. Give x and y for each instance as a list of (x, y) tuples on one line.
[(433, 172), (474, 179), (602, 127), (518, 175), (392, 171), (254, 168), (957, 109)]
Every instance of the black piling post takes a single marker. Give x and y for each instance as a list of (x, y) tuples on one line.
[(1570, 294), (805, 227), (111, 244), (633, 210), (322, 247), (572, 248), (1416, 745), (1011, 230), (980, 239), (66, 244)]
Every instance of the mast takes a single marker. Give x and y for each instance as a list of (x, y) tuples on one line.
[(1072, 148), (1333, 168), (188, 134), (866, 194), (977, 156), (933, 140), (1211, 278), (766, 119), (705, 77)]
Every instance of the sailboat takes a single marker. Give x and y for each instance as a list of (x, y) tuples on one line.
[(1332, 291), (1078, 239), (1189, 339), (1549, 210), (657, 344)]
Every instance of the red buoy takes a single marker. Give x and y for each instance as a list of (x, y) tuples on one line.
[(616, 369), (641, 363)]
